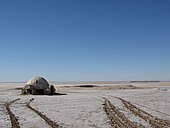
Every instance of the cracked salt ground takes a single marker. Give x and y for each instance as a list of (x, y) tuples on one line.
[(83, 108)]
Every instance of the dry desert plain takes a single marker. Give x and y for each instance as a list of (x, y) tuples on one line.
[(88, 105)]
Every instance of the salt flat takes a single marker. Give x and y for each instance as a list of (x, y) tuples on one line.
[(82, 107)]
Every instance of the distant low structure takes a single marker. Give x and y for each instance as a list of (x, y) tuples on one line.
[(38, 86)]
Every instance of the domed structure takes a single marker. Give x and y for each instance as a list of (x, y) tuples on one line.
[(38, 82), (38, 85)]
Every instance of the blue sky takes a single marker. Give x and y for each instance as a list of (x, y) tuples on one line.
[(85, 40)]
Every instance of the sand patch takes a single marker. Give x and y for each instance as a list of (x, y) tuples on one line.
[(95, 87)]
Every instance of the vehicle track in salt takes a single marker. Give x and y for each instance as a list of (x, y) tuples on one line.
[(13, 118), (44, 117), (155, 122), (117, 118)]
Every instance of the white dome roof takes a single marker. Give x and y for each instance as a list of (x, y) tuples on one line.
[(40, 82)]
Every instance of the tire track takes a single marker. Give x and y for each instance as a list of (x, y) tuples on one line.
[(47, 120), (117, 118), (155, 122), (13, 118)]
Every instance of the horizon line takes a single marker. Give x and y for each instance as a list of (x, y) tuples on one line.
[(92, 81)]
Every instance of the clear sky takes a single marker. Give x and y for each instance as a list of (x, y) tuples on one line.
[(85, 40)]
